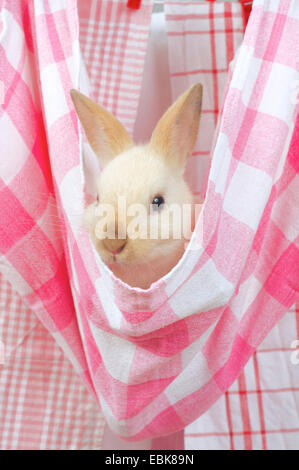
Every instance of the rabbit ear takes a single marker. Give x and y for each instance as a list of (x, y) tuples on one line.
[(175, 134), (104, 132)]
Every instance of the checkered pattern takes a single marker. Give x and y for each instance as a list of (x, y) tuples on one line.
[(113, 39), (202, 40), (155, 359), (240, 419), (260, 410), (43, 402), (250, 415)]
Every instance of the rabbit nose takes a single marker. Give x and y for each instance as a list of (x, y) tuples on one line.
[(114, 246)]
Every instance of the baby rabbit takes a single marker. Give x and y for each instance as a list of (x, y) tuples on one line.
[(148, 177)]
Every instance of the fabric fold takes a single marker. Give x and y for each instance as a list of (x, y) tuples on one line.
[(233, 283)]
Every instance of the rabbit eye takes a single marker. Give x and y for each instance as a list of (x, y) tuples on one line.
[(157, 203)]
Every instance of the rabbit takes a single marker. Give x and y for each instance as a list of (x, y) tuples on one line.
[(150, 175)]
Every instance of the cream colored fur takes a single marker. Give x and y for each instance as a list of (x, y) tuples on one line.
[(138, 174)]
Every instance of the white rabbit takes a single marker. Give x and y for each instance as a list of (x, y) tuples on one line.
[(150, 175)]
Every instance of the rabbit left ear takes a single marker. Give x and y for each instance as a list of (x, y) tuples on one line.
[(105, 134), (175, 134)]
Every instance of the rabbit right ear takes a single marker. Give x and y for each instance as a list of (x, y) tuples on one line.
[(105, 134), (175, 134)]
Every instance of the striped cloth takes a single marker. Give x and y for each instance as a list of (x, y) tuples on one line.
[(202, 40), (252, 414), (43, 403), (113, 41), (260, 409), (206, 319)]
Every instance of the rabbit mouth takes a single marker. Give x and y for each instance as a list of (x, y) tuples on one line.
[(113, 257), (114, 247), (116, 256)]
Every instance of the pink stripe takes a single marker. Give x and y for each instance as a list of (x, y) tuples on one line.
[(53, 35), (245, 411), (260, 403), (275, 37), (12, 228), (212, 32), (229, 421), (214, 63), (242, 433), (197, 16), (229, 32), (239, 355), (194, 72)]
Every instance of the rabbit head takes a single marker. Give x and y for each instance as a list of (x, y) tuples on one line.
[(133, 220)]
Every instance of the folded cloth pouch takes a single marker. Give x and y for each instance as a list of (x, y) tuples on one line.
[(154, 359)]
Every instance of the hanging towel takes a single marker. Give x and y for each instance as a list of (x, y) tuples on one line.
[(113, 40), (154, 359), (259, 410), (43, 402), (202, 41)]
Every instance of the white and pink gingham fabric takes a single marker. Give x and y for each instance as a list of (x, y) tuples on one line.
[(203, 38), (155, 359), (113, 41), (43, 403), (44, 422), (259, 410)]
